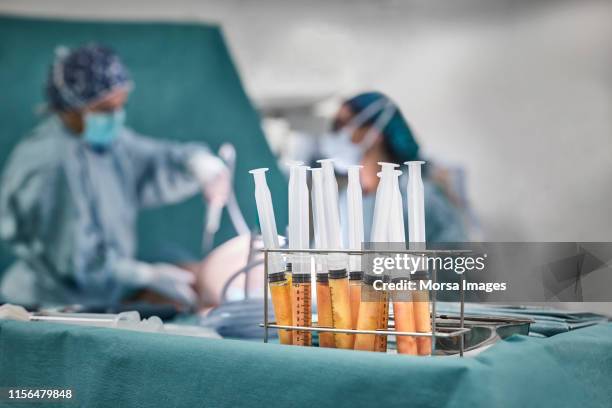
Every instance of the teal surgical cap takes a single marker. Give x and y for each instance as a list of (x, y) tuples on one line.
[(398, 138)]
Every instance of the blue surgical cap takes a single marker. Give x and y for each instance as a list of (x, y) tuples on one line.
[(84, 75), (398, 137)]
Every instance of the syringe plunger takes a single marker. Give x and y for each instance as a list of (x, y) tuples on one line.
[(267, 222)]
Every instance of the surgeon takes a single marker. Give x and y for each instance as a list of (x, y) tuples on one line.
[(71, 192), (369, 128)]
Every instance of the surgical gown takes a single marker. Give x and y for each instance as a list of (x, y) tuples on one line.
[(69, 212), (443, 221)]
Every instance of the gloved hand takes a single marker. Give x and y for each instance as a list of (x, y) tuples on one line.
[(166, 279), (173, 282), (213, 175)]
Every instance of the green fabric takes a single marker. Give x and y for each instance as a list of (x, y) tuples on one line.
[(107, 367), (186, 88)]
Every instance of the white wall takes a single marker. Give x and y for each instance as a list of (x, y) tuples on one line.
[(519, 92)]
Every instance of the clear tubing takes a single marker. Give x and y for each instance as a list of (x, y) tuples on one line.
[(301, 287), (87, 319), (416, 236), (227, 152), (279, 284), (324, 308)]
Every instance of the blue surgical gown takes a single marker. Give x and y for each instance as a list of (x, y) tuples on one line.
[(443, 221), (69, 212)]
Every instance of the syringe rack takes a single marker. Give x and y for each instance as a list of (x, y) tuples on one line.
[(436, 332)]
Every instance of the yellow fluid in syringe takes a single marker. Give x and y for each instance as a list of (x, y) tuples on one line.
[(324, 311), (280, 291), (341, 307), (301, 292)]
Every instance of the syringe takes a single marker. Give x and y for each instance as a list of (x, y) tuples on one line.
[(402, 304), (337, 263), (299, 239), (277, 279), (324, 309), (396, 234), (374, 307), (416, 236), (355, 237)]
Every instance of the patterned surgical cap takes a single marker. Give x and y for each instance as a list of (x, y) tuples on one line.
[(81, 76)]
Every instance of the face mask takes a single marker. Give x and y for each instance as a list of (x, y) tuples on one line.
[(339, 146), (102, 128)]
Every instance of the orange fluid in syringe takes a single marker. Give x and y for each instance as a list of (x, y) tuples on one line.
[(403, 313), (280, 292), (341, 307), (422, 317), (301, 308), (355, 294), (369, 314), (324, 310)]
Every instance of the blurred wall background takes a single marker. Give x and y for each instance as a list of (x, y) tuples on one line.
[(518, 92)]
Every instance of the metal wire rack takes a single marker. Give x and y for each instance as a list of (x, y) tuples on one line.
[(459, 331)]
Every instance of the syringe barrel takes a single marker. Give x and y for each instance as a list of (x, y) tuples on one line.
[(416, 205), (293, 210), (330, 197), (332, 215), (355, 208), (265, 212), (383, 203), (396, 224), (299, 221), (318, 209), (355, 216)]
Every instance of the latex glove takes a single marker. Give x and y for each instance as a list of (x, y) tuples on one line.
[(213, 175), (166, 279), (173, 282)]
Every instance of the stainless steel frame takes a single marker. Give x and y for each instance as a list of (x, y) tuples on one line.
[(459, 331)]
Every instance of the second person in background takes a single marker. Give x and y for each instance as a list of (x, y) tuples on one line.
[(369, 128)]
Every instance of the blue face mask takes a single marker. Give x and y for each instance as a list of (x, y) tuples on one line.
[(101, 129)]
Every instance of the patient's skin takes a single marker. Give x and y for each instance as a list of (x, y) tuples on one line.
[(221, 264)]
